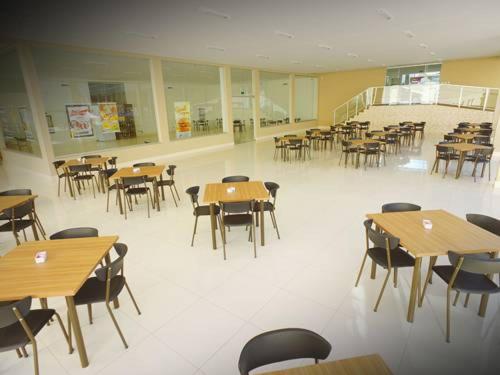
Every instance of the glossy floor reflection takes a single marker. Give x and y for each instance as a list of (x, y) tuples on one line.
[(199, 310)]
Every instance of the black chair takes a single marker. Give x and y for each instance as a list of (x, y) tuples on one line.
[(270, 207), (294, 145), (132, 187), (83, 173), (96, 168), (170, 182), (385, 253), (106, 287), (488, 223), (238, 214), (467, 274), (400, 207), (447, 155), (347, 149), (105, 178), (371, 151), (201, 210), (236, 179), (17, 221), (80, 232), (419, 128), (14, 192), (279, 148), (19, 326), (61, 175), (282, 345), (483, 157), (112, 161)]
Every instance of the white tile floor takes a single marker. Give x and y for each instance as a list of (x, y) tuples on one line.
[(199, 310)]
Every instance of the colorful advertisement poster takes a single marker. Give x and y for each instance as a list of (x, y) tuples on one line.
[(182, 119), (80, 120), (109, 118)]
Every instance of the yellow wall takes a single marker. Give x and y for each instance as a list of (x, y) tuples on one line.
[(337, 88), (483, 72)]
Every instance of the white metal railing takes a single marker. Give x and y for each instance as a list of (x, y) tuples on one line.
[(480, 98)]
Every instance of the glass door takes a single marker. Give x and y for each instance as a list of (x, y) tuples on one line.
[(243, 122)]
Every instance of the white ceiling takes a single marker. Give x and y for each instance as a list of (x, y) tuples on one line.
[(450, 29)]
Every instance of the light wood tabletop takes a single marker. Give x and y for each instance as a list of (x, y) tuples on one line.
[(361, 142), (69, 263), (449, 232), (12, 201), (95, 162), (245, 191), (152, 171), (363, 365), (465, 147)]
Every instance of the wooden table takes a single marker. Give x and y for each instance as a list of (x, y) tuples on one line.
[(154, 171), (94, 162), (468, 138), (10, 202), (359, 143), (245, 191), (69, 263), (470, 130), (448, 233), (363, 365), (463, 149)]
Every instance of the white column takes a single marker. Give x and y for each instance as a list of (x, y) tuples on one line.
[(291, 96), (227, 99), (159, 100), (256, 102)]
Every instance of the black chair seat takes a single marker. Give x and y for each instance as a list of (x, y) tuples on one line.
[(238, 220), (466, 281), (268, 206), (166, 182), (137, 190), (4, 217), (14, 336), (70, 174), (205, 210), (84, 177), (94, 290), (19, 224), (399, 257)]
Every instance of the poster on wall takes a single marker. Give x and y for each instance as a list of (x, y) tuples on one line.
[(80, 120), (182, 119), (109, 117), (26, 122)]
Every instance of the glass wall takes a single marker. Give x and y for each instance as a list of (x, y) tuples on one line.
[(242, 98), (412, 75), (16, 120), (306, 98), (274, 99), (95, 101), (193, 95)]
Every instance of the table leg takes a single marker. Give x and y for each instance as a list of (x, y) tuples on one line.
[(33, 226), (157, 194), (119, 196), (69, 183), (261, 213), (212, 225), (415, 287), (432, 262), (460, 164), (75, 325)]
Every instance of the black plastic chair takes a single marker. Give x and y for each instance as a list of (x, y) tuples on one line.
[(170, 182), (80, 232), (82, 173), (238, 214), (201, 210), (282, 345), (106, 287), (19, 326), (400, 207), (467, 274), (17, 221), (347, 149), (134, 186), (236, 179), (61, 175), (12, 192), (270, 207), (385, 253)]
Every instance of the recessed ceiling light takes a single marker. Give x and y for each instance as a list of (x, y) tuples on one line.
[(263, 57), (283, 34), (319, 66), (384, 65), (353, 55), (370, 60), (215, 13), (325, 46), (215, 48), (384, 13), (141, 35), (295, 62), (423, 45), (432, 53), (409, 34)]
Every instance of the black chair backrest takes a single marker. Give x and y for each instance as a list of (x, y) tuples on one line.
[(16, 192), (80, 232), (171, 170), (114, 268), (282, 345), (272, 187), (109, 172), (7, 315), (20, 211), (475, 263), (443, 149), (488, 223), (58, 163), (146, 164), (80, 168), (380, 239), (236, 179), (91, 156), (193, 194), (400, 207), (236, 207), (136, 180), (120, 248), (112, 160)]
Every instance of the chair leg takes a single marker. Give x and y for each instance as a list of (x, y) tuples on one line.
[(456, 298), (148, 198), (361, 269), (194, 230), (177, 193), (18, 352), (220, 228), (89, 309), (116, 325), (382, 291), (132, 298), (466, 300), (273, 216), (66, 335), (35, 357), (173, 196), (107, 201), (395, 277), (448, 300), (254, 239), (59, 187)]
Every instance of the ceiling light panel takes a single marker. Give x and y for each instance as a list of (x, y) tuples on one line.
[(385, 14), (325, 46), (214, 13), (409, 34), (216, 48), (141, 35), (284, 35), (353, 55), (264, 57)]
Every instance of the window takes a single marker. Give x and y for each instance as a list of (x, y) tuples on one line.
[(412, 75), (274, 99), (306, 98), (193, 95), (16, 121), (242, 98), (95, 101)]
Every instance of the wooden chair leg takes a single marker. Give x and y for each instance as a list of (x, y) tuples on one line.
[(194, 230), (116, 325), (89, 309), (382, 291), (361, 269)]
